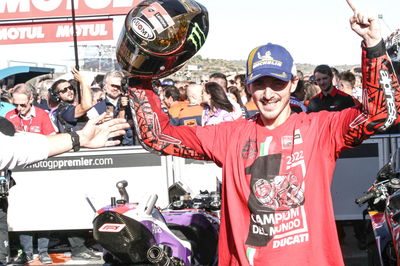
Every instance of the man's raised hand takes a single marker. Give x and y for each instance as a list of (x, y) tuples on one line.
[(365, 25)]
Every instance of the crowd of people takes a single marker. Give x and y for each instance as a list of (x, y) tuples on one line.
[(54, 106), (224, 98), (272, 130)]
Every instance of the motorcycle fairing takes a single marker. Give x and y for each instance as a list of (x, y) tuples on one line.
[(392, 214), (129, 244), (135, 220), (381, 231)]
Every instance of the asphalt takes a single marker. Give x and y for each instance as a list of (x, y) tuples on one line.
[(352, 254)]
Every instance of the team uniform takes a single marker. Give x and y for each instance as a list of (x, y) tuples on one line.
[(251, 109), (296, 105), (191, 115), (336, 100), (276, 206), (38, 121)]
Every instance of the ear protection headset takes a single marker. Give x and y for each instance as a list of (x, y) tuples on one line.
[(53, 94)]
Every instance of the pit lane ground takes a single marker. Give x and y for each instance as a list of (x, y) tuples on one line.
[(352, 255)]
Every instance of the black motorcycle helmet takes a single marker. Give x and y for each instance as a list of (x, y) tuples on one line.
[(159, 36)]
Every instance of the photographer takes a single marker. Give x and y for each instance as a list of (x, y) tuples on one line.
[(69, 115), (116, 100)]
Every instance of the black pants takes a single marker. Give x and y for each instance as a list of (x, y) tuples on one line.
[(77, 244), (4, 248)]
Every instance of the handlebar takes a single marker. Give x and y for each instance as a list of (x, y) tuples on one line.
[(370, 195)]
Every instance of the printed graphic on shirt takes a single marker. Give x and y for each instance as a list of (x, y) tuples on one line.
[(190, 122), (276, 201), (289, 141), (250, 150)]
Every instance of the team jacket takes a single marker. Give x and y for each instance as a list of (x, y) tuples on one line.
[(191, 115), (336, 100), (38, 122), (276, 201)]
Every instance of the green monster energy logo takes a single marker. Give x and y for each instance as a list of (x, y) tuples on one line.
[(196, 36)]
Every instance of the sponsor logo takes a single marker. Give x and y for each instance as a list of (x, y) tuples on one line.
[(197, 36), (162, 21), (112, 228), (267, 59), (297, 137), (289, 141), (158, 17), (141, 28), (266, 56), (191, 122), (249, 150), (386, 83)]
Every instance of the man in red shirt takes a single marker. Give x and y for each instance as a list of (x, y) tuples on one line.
[(277, 166), (26, 117)]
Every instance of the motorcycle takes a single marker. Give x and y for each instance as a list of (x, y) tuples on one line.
[(184, 233), (383, 199)]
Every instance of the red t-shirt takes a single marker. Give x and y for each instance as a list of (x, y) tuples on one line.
[(277, 206), (39, 121)]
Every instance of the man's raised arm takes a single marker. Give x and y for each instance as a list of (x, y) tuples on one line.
[(154, 131), (381, 95)]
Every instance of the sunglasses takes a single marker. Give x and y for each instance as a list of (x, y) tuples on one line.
[(24, 105), (116, 86), (64, 90)]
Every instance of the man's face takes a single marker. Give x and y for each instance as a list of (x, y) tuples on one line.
[(22, 103), (113, 87), (345, 86), (66, 92), (166, 100), (221, 82), (324, 81), (238, 84), (271, 95)]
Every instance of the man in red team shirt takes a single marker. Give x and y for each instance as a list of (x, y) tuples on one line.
[(26, 117), (277, 166)]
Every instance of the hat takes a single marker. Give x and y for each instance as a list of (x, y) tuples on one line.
[(270, 60), (167, 82), (6, 127)]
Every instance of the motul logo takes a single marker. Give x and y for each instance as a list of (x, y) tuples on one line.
[(113, 228), (93, 30), (24, 9)]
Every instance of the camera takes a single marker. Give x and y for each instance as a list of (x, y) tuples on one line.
[(5, 178)]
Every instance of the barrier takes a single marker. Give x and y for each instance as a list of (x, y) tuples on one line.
[(54, 194), (355, 172)]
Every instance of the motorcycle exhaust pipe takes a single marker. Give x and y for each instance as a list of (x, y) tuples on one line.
[(156, 255)]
